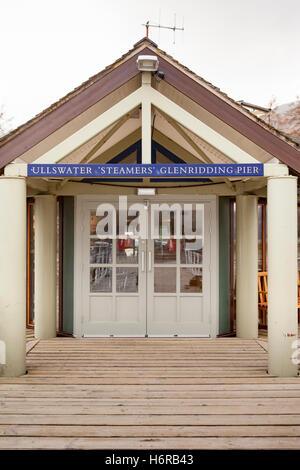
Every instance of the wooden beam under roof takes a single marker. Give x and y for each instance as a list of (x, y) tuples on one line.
[(203, 156), (89, 156)]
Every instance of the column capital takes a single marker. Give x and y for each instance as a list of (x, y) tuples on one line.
[(282, 177), (8, 177)]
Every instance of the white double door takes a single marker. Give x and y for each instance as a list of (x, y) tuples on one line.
[(146, 286)]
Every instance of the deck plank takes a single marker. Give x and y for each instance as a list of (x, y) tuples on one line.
[(149, 393)]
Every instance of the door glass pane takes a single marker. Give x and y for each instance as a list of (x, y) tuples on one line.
[(94, 219), (127, 279), (191, 280), (127, 251), (108, 228), (164, 279), (192, 220), (100, 251), (126, 225), (165, 251), (101, 279), (191, 251)]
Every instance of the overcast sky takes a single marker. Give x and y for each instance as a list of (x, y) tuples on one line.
[(248, 48)]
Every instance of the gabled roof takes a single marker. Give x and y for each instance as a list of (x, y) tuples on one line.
[(178, 76)]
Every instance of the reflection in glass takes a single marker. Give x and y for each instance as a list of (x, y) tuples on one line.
[(192, 219), (94, 219), (108, 227), (127, 251), (127, 279), (124, 223), (100, 251), (191, 251), (166, 221), (191, 280), (164, 279), (165, 251), (101, 279)]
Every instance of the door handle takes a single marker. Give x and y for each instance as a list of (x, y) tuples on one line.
[(143, 261), (149, 261)]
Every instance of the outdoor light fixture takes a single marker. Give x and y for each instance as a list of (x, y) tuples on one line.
[(146, 191), (147, 63)]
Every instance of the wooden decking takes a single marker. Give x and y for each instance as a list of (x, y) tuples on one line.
[(29, 334), (143, 393), (30, 339)]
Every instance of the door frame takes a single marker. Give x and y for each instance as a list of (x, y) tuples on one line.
[(81, 200)]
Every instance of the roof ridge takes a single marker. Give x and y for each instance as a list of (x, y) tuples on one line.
[(145, 39)]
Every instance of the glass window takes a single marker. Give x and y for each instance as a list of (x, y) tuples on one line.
[(107, 228), (191, 251), (101, 279), (191, 280), (192, 220), (100, 251), (165, 251), (164, 279), (127, 251), (127, 279)]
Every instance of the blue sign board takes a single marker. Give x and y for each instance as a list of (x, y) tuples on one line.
[(156, 170)]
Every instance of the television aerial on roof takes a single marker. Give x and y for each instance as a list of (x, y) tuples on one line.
[(160, 26)]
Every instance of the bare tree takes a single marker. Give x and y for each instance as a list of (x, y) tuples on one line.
[(290, 122), (286, 118)]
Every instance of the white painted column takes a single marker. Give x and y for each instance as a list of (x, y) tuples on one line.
[(12, 275), (146, 119), (45, 267), (282, 274), (246, 267)]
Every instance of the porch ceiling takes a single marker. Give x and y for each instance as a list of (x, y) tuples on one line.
[(133, 126), (163, 126), (130, 127)]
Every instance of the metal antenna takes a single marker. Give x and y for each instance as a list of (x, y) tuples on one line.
[(160, 26)]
